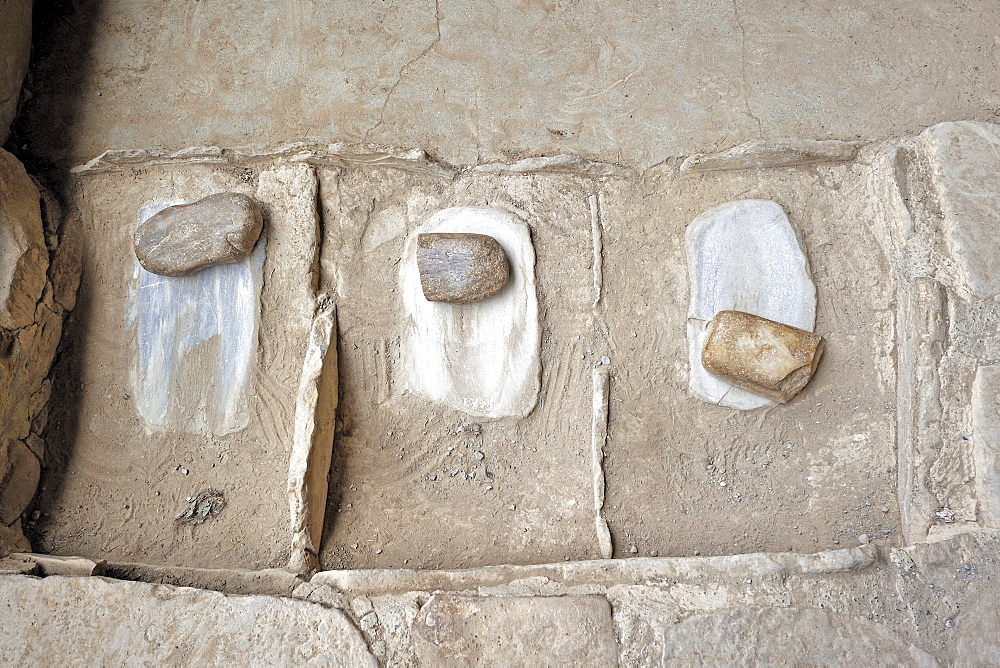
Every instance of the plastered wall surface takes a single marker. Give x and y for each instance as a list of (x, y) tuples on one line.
[(629, 82)]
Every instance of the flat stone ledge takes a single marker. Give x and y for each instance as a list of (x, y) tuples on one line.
[(96, 621), (602, 572), (785, 636)]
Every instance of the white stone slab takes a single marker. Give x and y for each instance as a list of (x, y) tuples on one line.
[(195, 338), (744, 256), (965, 167), (481, 358)]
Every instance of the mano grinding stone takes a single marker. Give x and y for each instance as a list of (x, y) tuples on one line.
[(460, 267), (760, 355), (186, 238)]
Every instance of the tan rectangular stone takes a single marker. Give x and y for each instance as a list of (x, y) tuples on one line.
[(760, 355)]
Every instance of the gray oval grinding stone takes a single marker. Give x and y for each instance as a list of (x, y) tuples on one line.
[(186, 238)]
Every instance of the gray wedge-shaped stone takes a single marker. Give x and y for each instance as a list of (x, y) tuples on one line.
[(460, 267), (186, 238)]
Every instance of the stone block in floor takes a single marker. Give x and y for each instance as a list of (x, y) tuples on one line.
[(95, 621), (459, 630)]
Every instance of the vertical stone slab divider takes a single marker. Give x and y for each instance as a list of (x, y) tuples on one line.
[(986, 433), (599, 436), (924, 330), (292, 315), (312, 446)]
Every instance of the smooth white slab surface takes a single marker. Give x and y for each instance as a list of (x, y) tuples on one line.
[(744, 256), (481, 358), (195, 338)]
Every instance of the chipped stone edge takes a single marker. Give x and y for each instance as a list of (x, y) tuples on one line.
[(50, 564), (602, 572), (233, 581), (771, 153), (599, 436), (340, 154), (312, 443), (343, 154), (566, 163)]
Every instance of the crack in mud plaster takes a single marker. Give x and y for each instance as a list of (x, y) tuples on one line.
[(408, 64), (743, 69)]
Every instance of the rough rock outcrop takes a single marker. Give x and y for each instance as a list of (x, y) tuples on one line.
[(182, 239), (515, 631), (39, 273)]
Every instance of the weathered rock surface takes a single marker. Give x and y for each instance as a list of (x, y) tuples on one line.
[(50, 564), (965, 167), (101, 622), (760, 355), (515, 631), (184, 238), (30, 327), (460, 268), (24, 258), (785, 636), (743, 256), (483, 358)]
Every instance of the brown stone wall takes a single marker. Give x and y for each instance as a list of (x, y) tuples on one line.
[(39, 272)]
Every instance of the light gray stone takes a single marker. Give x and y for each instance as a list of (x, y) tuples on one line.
[(965, 168), (743, 256), (50, 564), (515, 631), (172, 319), (785, 636), (13, 565), (185, 238), (763, 153), (986, 442), (103, 622)]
